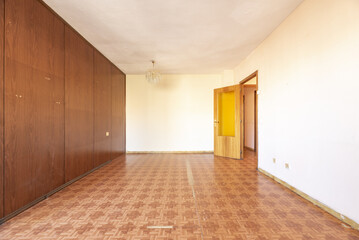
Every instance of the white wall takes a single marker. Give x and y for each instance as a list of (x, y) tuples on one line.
[(308, 101), (251, 81), (175, 115), (227, 78)]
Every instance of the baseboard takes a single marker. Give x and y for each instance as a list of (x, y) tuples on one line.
[(27, 206), (250, 149), (329, 210), (172, 152)]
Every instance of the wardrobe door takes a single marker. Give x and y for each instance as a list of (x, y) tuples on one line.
[(1, 107), (118, 113), (34, 102), (102, 109), (78, 105)]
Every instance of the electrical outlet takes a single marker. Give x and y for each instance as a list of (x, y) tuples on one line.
[(287, 165), (274, 160)]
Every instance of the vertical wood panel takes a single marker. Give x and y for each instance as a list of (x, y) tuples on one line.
[(102, 109), (1, 106), (79, 105), (34, 102), (118, 113)]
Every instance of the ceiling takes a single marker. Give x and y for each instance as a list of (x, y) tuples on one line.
[(182, 36)]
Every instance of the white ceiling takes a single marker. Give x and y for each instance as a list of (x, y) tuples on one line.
[(183, 36)]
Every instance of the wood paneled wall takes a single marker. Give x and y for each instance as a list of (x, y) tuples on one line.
[(79, 105), (102, 109), (118, 111), (1, 108), (34, 102), (58, 104)]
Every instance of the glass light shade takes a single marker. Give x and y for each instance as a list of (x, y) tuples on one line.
[(153, 76)]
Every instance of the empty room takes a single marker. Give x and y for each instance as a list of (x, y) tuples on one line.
[(179, 119)]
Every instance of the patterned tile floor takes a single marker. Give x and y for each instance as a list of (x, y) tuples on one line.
[(201, 196)]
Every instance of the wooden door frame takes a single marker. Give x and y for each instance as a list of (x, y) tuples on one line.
[(255, 115), (255, 121), (244, 120), (241, 83)]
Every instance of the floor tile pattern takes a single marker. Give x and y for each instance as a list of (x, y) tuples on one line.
[(221, 199)]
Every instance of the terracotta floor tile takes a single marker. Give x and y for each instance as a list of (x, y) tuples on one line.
[(223, 199)]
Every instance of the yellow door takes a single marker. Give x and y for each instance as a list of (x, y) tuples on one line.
[(227, 122)]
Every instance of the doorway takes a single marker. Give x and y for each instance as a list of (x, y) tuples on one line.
[(249, 113)]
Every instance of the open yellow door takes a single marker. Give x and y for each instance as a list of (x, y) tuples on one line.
[(227, 122)]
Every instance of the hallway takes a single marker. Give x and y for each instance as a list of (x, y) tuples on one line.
[(195, 196)]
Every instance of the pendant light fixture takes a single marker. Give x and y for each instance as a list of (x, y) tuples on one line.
[(152, 75)]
